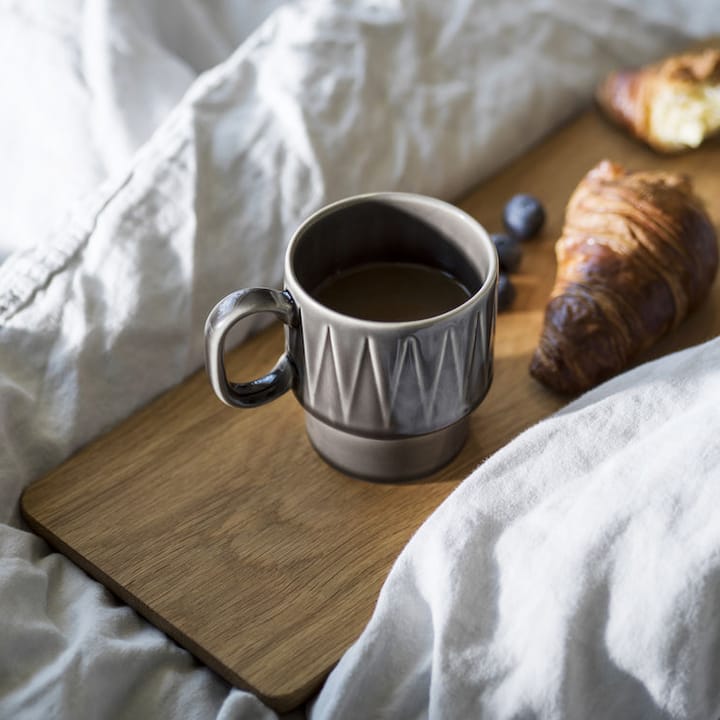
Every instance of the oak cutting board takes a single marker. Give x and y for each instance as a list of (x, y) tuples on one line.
[(224, 529)]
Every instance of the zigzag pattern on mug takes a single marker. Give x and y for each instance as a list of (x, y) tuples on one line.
[(363, 379), (346, 380)]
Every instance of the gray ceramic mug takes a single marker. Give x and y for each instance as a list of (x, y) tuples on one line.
[(382, 400)]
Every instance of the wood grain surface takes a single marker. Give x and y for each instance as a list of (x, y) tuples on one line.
[(225, 529)]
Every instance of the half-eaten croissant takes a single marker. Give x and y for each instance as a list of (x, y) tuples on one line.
[(671, 105), (637, 253)]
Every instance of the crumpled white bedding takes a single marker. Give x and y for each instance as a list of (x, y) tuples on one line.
[(567, 577), (85, 83), (575, 574)]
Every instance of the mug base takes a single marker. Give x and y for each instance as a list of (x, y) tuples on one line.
[(386, 459)]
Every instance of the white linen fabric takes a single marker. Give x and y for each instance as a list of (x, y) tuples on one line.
[(323, 99), (575, 574), (84, 85)]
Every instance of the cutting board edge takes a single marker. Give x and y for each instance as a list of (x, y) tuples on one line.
[(280, 702)]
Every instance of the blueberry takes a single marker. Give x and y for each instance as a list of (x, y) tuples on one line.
[(508, 250), (523, 216), (506, 292)]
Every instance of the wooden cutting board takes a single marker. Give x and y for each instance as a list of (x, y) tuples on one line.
[(223, 527)]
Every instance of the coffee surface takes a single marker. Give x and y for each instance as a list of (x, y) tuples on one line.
[(391, 292)]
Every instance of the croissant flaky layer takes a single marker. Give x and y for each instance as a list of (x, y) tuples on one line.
[(671, 105), (637, 253)]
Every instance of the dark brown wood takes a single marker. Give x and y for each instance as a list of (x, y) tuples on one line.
[(225, 529)]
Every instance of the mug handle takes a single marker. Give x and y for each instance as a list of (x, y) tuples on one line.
[(223, 316)]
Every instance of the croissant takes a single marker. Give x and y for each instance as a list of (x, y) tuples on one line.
[(671, 105), (637, 253)]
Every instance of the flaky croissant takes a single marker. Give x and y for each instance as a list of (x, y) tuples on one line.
[(671, 105), (637, 253)]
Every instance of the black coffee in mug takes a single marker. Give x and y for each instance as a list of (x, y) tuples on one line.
[(391, 292)]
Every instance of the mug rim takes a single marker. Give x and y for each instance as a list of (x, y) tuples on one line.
[(487, 286)]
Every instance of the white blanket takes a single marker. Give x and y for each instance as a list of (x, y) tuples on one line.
[(496, 606), (575, 574)]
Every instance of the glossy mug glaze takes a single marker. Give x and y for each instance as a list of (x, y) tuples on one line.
[(382, 400)]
